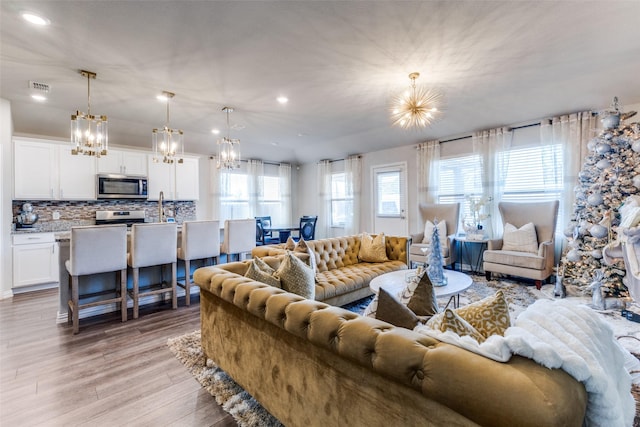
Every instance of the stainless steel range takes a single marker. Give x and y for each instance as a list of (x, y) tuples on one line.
[(119, 217)]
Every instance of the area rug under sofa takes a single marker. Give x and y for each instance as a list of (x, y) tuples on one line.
[(248, 412)]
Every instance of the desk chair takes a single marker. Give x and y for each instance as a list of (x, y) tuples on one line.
[(200, 240), (93, 250), (153, 244)]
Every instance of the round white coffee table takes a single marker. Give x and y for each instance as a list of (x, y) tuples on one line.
[(395, 282)]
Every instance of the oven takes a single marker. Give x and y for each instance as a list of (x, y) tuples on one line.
[(113, 186), (120, 217)]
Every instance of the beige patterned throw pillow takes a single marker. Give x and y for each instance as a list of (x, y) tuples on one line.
[(303, 248), (296, 276), (372, 249), (523, 239), (455, 323), (489, 316), (291, 244), (261, 272)]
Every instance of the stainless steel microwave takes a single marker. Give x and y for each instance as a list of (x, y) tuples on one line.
[(113, 186)]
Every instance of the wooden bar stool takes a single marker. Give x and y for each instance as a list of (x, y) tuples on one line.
[(93, 250), (200, 240), (151, 245)]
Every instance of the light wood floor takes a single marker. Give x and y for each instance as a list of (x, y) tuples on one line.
[(110, 374)]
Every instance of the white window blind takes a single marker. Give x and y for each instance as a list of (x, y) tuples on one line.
[(460, 177), (339, 202)]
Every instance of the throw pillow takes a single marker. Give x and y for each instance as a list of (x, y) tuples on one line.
[(442, 232), (291, 244), (296, 276), (455, 323), (424, 302), (372, 249), (257, 272), (392, 311), (521, 239), (303, 248), (489, 316)]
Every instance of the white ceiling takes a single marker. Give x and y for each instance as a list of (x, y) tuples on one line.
[(340, 63)]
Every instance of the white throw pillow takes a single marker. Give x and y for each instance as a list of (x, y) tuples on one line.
[(521, 239), (442, 232)]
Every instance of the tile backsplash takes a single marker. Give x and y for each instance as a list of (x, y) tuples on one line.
[(84, 212)]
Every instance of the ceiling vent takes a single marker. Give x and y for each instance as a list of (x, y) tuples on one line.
[(39, 87)]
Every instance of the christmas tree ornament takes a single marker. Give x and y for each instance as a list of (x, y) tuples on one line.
[(610, 117), (568, 231), (596, 253), (598, 231), (603, 164), (595, 199), (603, 148), (573, 255), (636, 146), (607, 136)]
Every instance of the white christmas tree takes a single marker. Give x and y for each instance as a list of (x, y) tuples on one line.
[(435, 270), (610, 173)]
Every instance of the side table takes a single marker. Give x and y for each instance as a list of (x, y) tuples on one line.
[(468, 247)]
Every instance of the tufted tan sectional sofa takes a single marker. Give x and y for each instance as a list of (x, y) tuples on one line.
[(313, 364), (341, 278)]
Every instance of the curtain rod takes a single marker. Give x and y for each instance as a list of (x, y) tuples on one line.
[(263, 162), (510, 128)]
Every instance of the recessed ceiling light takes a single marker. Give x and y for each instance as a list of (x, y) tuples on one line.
[(35, 19), (215, 131), (40, 98), (282, 99)]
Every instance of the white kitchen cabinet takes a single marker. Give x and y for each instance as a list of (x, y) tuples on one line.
[(188, 179), (46, 170), (77, 175), (123, 162), (35, 170), (35, 259), (177, 181)]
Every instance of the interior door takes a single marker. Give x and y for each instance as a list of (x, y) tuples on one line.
[(390, 199)]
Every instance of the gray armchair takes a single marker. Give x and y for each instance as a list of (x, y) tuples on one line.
[(447, 212), (537, 266)]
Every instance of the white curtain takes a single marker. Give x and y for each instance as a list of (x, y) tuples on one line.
[(323, 226), (284, 173), (573, 132), (214, 189), (428, 171), (255, 171), (353, 192), (492, 146)]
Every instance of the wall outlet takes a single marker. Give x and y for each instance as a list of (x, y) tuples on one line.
[(56, 215)]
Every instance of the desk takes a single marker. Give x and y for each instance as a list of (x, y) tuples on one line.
[(468, 246), (283, 231)]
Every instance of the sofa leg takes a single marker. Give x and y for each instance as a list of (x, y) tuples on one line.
[(487, 275), (538, 284)]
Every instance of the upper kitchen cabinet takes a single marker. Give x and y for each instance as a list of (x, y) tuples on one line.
[(177, 181), (46, 170), (123, 162)]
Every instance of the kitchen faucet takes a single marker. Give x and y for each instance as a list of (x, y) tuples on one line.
[(160, 210)]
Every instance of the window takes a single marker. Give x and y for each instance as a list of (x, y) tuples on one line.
[(388, 202), (234, 198), (460, 177), (270, 203), (339, 201)]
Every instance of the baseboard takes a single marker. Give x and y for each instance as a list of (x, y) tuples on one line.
[(6, 294), (110, 308)]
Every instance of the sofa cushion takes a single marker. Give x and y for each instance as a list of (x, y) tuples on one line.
[(261, 272), (416, 249), (428, 232), (523, 239), (372, 249), (296, 276), (339, 281), (489, 316), (515, 259), (392, 311), (453, 322)]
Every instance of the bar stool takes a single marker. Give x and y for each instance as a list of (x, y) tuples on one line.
[(94, 250), (151, 245), (239, 237), (200, 240)]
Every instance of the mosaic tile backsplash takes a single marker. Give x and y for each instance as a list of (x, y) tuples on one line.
[(74, 213)]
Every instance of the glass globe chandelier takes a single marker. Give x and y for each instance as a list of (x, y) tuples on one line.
[(228, 148), (168, 144), (417, 107), (89, 134)]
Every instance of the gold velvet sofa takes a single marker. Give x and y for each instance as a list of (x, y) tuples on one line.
[(340, 277), (312, 364)]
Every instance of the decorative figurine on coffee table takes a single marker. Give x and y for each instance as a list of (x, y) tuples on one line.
[(435, 270)]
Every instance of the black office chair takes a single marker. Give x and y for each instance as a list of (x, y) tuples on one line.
[(307, 228)]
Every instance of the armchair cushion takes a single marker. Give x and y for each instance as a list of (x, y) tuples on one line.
[(442, 232), (521, 239), (515, 259), (416, 249)]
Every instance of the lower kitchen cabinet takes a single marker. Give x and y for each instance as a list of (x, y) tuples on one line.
[(35, 259)]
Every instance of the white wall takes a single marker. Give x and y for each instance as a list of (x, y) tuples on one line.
[(6, 168)]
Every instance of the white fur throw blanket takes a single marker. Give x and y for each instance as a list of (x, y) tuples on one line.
[(558, 334)]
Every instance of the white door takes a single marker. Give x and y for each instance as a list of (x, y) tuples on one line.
[(390, 199)]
